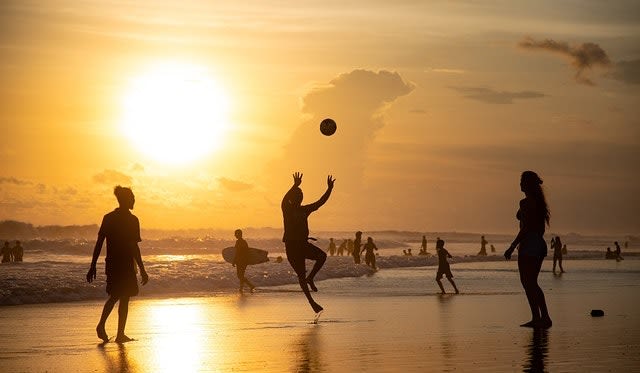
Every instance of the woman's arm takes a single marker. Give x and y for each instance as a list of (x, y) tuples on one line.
[(524, 228)]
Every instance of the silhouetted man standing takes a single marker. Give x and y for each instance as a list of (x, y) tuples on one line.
[(296, 235), (121, 229)]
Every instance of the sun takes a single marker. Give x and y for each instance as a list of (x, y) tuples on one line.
[(175, 112)]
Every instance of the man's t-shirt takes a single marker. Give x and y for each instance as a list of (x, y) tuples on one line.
[(122, 230), (296, 226)]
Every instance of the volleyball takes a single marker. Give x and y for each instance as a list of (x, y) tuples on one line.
[(328, 127)]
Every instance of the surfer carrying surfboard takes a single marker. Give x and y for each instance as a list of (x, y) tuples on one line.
[(241, 260), (296, 235)]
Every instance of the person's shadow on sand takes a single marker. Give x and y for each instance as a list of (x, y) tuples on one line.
[(309, 351), (117, 360), (537, 351)]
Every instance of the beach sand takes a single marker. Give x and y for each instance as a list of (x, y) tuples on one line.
[(272, 331)]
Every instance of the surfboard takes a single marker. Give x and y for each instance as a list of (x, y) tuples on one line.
[(255, 256)]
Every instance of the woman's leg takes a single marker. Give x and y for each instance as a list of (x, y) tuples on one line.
[(539, 294), (528, 279)]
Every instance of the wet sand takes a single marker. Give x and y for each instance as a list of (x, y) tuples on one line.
[(271, 331)]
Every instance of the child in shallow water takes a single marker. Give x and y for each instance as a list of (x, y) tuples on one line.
[(443, 266)]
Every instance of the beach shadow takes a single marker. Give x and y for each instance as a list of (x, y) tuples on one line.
[(116, 360), (537, 351), (309, 351)]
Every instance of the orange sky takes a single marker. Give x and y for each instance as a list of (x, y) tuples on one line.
[(440, 105)]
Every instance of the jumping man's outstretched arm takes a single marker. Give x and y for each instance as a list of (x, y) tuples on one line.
[(297, 180), (316, 205)]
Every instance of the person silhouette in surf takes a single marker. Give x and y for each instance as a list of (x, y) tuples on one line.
[(444, 269), (370, 256), (121, 229), (240, 261), (296, 235)]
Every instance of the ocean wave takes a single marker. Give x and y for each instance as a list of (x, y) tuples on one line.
[(63, 280)]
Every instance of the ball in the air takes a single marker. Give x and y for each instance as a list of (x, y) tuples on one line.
[(328, 127)]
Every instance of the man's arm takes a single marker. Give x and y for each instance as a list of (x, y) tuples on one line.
[(91, 275), (138, 258), (316, 205), (297, 180)]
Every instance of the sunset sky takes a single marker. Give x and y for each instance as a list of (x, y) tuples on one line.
[(440, 106)]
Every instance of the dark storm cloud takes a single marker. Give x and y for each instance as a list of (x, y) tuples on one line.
[(112, 177), (234, 185), (491, 96), (582, 57)]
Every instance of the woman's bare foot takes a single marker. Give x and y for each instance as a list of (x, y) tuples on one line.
[(530, 324), (544, 323)]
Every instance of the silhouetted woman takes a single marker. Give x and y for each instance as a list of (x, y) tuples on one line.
[(532, 248)]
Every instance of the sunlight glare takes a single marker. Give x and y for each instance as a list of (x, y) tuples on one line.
[(175, 113)]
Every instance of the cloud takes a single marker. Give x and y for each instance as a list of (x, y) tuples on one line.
[(582, 57), (234, 185), (112, 177), (356, 101), (13, 180), (361, 91), (446, 71), (491, 96), (418, 111), (137, 167), (627, 72)]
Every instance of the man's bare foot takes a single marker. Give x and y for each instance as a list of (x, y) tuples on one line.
[(312, 286), (123, 339), (102, 334), (316, 307)]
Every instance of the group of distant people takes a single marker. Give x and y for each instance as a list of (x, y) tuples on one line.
[(12, 254), (353, 248)]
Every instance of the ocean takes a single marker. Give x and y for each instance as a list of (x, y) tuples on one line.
[(55, 270)]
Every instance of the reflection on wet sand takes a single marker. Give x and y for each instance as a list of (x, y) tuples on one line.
[(537, 351), (116, 358), (308, 350)]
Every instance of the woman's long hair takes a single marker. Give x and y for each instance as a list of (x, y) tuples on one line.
[(532, 186)]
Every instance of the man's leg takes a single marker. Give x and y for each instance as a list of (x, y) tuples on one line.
[(106, 311), (297, 261), (123, 312), (313, 252)]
